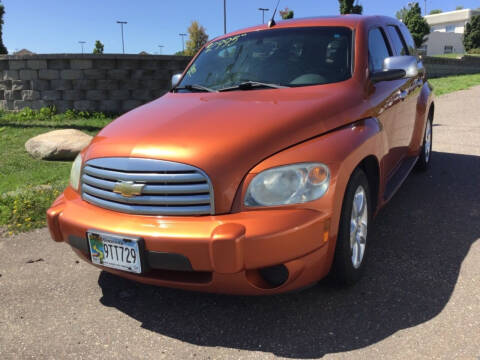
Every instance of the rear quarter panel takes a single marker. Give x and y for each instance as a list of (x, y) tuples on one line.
[(424, 102)]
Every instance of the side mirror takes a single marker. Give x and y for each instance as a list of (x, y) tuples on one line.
[(397, 67), (175, 79)]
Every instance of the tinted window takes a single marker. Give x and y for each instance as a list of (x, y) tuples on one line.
[(289, 57), (397, 42), (377, 49), (408, 40)]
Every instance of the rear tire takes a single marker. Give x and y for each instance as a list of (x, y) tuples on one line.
[(350, 251), (423, 162)]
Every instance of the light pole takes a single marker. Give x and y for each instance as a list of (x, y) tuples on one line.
[(160, 47), (224, 16), (183, 41), (81, 44), (121, 25), (263, 14)]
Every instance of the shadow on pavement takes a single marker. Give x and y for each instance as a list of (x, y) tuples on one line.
[(416, 249)]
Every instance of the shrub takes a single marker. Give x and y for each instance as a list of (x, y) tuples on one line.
[(25, 209), (474, 51), (49, 113), (98, 49), (286, 14), (417, 25), (471, 37), (197, 37), (26, 113), (349, 7), (3, 49)]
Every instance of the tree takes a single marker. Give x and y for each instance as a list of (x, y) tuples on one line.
[(3, 49), (471, 37), (197, 37), (459, 7), (98, 49), (348, 7), (400, 14), (417, 25), (435, 11), (286, 13)]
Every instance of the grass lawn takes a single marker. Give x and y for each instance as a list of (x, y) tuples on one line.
[(23, 199), (454, 56), (450, 84), (450, 56)]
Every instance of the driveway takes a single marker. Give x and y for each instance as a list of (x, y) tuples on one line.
[(420, 297)]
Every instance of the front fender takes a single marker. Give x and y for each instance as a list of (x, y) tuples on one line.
[(342, 150)]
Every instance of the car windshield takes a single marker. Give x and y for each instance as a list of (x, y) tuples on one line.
[(271, 59)]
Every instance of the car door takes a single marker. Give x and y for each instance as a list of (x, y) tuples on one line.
[(384, 98), (408, 93), (420, 81)]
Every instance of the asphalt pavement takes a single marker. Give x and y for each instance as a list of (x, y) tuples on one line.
[(420, 298)]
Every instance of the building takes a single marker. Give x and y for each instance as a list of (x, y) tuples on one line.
[(447, 28), (23, 52)]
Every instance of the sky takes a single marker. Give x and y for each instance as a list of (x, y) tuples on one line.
[(57, 26)]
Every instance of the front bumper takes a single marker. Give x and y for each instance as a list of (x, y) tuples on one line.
[(223, 253)]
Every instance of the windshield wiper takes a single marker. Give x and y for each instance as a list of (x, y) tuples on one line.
[(248, 85), (194, 87)]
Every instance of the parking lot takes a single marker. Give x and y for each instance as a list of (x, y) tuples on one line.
[(420, 297)]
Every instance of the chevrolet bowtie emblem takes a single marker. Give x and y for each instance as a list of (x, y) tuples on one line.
[(128, 188)]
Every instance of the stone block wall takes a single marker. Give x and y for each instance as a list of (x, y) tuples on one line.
[(114, 83), (440, 66), (90, 82)]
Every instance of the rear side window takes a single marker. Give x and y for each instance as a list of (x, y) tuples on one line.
[(397, 42), (408, 40), (377, 49)]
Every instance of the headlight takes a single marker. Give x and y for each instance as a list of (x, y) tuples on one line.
[(290, 184), (76, 172)]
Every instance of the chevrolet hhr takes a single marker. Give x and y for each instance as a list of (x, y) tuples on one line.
[(261, 170)]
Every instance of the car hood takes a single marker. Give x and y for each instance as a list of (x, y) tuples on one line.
[(227, 134)]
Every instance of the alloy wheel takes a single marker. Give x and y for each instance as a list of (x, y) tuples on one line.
[(358, 226)]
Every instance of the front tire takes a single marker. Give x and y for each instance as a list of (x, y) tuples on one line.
[(350, 251)]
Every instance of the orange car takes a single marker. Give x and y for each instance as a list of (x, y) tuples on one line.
[(261, 170)]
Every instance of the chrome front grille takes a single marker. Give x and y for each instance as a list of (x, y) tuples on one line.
[(168, 188)]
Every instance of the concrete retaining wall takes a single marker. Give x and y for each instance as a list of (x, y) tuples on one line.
[(438, 66), (108, 83)]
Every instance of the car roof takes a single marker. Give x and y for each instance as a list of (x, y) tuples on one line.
[(351, 21)]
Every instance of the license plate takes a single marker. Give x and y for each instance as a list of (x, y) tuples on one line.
[(115, 251)]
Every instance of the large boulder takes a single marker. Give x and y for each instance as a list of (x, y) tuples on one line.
[(58, 144)]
